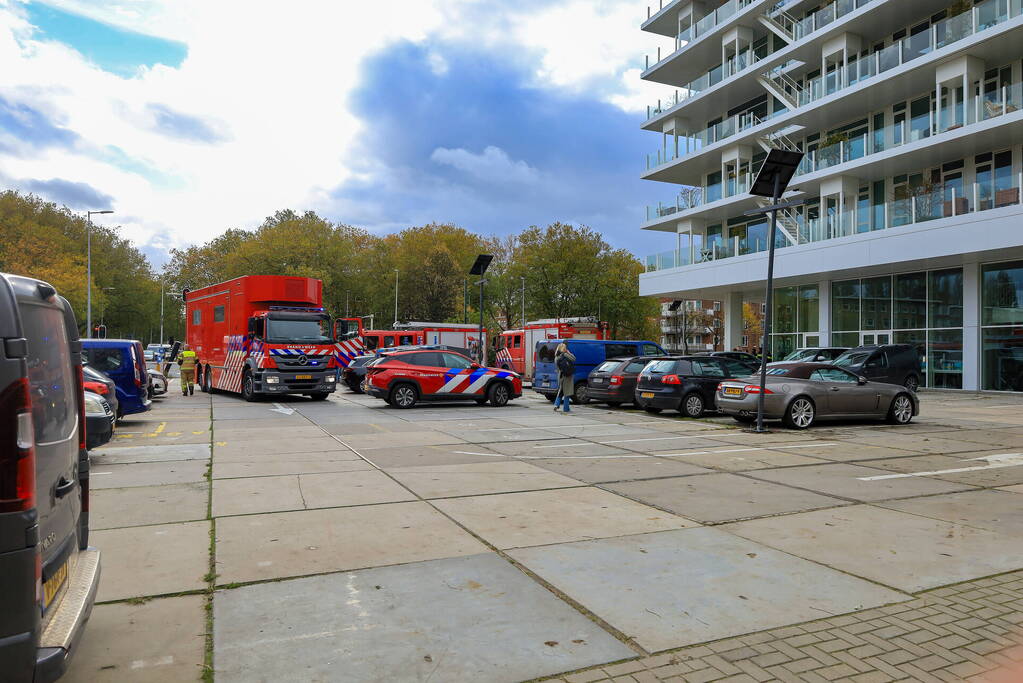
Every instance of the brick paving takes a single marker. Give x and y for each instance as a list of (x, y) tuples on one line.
[(969, 631)]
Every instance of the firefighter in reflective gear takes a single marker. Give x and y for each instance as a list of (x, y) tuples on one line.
[(187, 360)]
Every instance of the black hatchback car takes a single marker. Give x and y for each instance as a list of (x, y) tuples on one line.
[(887, 363), (48, 575), (687, 384), (614, 381)]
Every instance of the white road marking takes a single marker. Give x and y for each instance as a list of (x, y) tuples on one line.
[(96, 474), (657, 438), (553, 457), (993, 462), (284, 410)]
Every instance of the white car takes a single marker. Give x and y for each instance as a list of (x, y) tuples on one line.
[(158, 383)]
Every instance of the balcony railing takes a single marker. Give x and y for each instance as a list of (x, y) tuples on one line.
[(695, 141), (921, 205), (702, 26)]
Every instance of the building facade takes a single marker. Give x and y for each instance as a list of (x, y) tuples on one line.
[(696, 324), (910, 115)]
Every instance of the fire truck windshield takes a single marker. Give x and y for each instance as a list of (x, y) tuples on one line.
[(298, 328)]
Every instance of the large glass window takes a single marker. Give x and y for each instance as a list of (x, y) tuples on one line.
[(54, 402), (808, 315), (784, 310), (910, 301), (877, 303), (945, 359), (782, 345), (1002, 342), (945, 301), (845, 306), (1003, 358), (1003, 294)]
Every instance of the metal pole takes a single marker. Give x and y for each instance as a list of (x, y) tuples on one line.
[(768, 303), (161, 307), (395, 296), (346, 304), (523, 302), (483, 348), (88, 276), (465, 300)]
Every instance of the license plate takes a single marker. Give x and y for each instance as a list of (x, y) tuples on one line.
[(647, 394), (52, 586), (303, 376), (547, 383), (597, 380), (733, 391)]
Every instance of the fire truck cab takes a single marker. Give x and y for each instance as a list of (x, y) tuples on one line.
[(516, 348), (263, 335)]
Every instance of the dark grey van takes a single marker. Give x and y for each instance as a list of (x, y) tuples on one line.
[(48, 574), (886, 363)]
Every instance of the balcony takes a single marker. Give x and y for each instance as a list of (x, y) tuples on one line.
[(919, 205), (709, 135), (702, 26)]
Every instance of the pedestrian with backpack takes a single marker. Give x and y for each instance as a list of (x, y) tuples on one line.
[(564, 361)]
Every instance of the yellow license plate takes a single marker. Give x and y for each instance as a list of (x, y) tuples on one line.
[(733, 391), (303, 376), (52, 586), (647, 395)]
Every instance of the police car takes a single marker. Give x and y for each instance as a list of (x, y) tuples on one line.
[(404, 378)]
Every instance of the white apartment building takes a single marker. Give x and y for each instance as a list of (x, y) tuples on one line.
[(910, 113)]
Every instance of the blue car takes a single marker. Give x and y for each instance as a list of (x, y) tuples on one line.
[(123, 361), (589, 353)]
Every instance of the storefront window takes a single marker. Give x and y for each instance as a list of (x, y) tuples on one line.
[(783, 344), (808, 317), (847, 339), (1003, 294), (1002, 361), (877, 303), (945, 359), (946, 298), (910, 301), (784, 310), (845, 306)]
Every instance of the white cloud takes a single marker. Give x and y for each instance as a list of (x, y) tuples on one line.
[(492, 165), (272, 81)]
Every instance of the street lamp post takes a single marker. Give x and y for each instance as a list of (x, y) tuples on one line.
[(523, 278), (772, 181), (88, 270), (395, 296), (479, 267)]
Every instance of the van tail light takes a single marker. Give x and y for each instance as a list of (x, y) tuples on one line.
[(671, 379), (615, 379), (80, 388), (755, 389), (17, 449)]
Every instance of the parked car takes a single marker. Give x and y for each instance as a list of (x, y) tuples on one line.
[(799, 394), (157, 383), (122, 360), (48, 574), (686, 384), (99, 421), (614, 381), (738, 355), (589, 353), (888, 363), (407, 377), (355, 373), (101, 384), (156, 352), (814, 354)]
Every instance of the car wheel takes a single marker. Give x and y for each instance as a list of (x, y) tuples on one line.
[(499, 394), (355, 387), (319, 395), (205, 385), (550, 398), (579, 396), (248, 388), (614, 404), (651, 409), (692, 405), (801, 413), (912, 383), (901, 410), (403, 396)]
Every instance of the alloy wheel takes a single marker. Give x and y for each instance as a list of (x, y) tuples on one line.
[(802, 413), (404, 396), (694, 406), (903, 409)]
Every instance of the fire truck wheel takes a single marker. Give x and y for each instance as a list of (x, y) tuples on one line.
[(403, 396), (319, 395), (248, 388), (204, 381), (499, 394)]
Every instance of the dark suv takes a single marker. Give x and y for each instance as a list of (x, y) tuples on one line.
[(48, 575), (887, 363), (687, 384)]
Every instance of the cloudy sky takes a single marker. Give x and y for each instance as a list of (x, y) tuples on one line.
[(188, 117)]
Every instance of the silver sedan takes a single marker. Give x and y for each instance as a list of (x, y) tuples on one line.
[(799, 394)]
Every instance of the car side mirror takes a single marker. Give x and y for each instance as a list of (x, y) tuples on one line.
[(861, 380)]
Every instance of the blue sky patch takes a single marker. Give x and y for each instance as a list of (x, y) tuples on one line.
[(28, 128), (182, 126), (81, 196), (112, 49)]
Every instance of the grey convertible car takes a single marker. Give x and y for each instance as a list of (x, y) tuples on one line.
[(799, 394)]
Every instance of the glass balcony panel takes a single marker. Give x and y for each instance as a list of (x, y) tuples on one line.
[(991, 13), (889, 58), (824, 16), (954, 28), (705, 24), (916, 46)]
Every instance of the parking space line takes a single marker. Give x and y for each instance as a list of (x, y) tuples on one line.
[(658, 438), (993, 462), (555, 457)]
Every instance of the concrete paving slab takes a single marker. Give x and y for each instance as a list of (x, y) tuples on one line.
[(471, 479), (481, 423), (366, 442), (160, 641), (721, 497), (1017, 488), (838, 450), (505, 435), (660, 441), (238, 455), (924, 443), (256, 494), (230, 434), (281, 445), (991, 438), (608, 429), (233, 470), (547, 418), (693, 585), (739, 459), (516, 520), (152, 560), (779, 436), (904, 551), (365, 487), (845, 481), (615, 468), (144, 505), (103, 476), (558, 448), (151, 452), (993, 510), (415, 456), (283, 544), (1002, 476), (467, 619)]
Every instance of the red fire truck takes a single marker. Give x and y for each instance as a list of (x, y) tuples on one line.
[(515, 348), (265, 335), (405, 334)]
